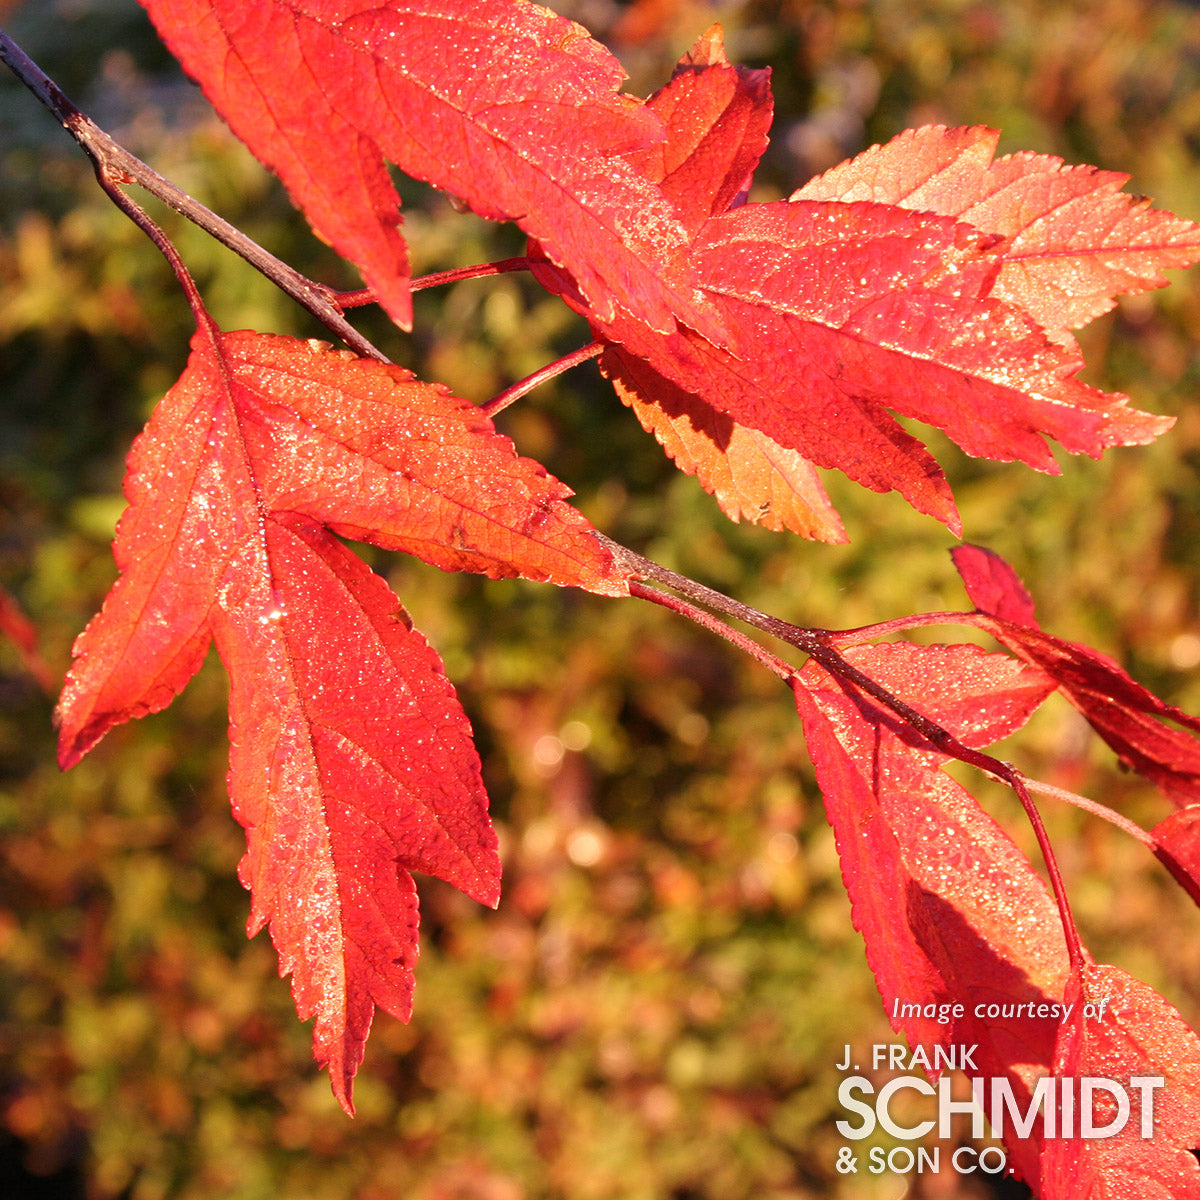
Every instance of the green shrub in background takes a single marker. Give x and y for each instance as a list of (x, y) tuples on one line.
[(657, 1007)]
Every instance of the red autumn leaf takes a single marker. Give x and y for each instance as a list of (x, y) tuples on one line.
[(351, 764), (18, 629), (949, 908), (1176, 842), (716, 119), (1149, 1149), (351, 761), (993, 586), (1125, 714), (506, 105), (837, 312), (1072, 240), (750, 474)]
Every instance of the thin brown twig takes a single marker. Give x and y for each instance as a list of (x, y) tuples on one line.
[(513, 393), (477, 271), (869, 633), (114, 163), (143, 220), (706, 620), (362, 296), (818, 645), (1095, 808)]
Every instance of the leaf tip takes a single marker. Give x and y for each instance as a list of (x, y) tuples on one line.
[(487, 890), (1175, 846), (343, 1092), (68, 755), (339, 1050), (75, 739), (709, 49), (993, 586)]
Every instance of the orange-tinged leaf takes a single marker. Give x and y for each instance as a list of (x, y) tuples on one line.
[(716, 118), (262, 422), (511, 108), (381, 457), (1122, 1031), (837, 310), (1072, 240), (853, 298), (949, 908), (751, 475), (840, 312), (351, 764), (922, 279), (351, 760)]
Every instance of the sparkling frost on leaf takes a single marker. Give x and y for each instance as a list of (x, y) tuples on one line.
[(351, 760)]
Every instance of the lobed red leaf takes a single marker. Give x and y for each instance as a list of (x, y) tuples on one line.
[(351, 764), (868, 292), (351, 760), (749, 472), (381, 457), (839, 312), (716, 118), (1071, 241), (509, 107)]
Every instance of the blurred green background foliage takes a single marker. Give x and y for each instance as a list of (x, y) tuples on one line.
[(657, 1007)]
